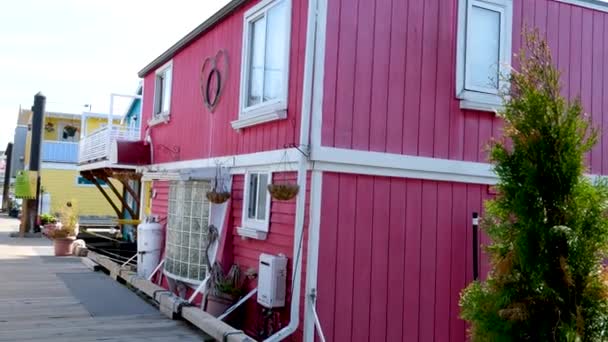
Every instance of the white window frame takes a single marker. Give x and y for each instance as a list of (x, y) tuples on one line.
[(162, 116), (105, 185), (270, 110), (254, 228), (479, 98)]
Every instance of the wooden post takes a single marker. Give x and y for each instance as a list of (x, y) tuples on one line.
[(30, 213)]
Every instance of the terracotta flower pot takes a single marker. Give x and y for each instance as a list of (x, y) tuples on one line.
[(63, 246), (217, 305)]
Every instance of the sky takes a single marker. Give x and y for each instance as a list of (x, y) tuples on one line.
[(77, 52)]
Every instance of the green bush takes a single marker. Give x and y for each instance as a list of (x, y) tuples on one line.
[(47, 218), (548, 223)]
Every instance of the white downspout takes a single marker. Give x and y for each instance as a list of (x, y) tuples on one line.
[(307, 92)]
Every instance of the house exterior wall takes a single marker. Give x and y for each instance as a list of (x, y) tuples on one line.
[(394, 255), (246, 252), (94, 123), (62, 186), (195, 131), (18, 154), (55, 134), (390, 75), (394, 252)]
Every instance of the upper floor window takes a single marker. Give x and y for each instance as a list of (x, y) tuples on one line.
[(484, 52), (162, 91), (265, 63), (256, 207)]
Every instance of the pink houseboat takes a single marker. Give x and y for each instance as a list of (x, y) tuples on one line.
[(379, 111)]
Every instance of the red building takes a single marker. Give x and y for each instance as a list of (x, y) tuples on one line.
[(379, 110)]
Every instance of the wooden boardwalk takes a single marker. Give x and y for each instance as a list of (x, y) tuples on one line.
[(43, 298)]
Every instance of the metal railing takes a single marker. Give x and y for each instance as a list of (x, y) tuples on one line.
[(97, 145)]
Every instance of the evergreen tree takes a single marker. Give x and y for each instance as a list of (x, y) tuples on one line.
[(548, 225)]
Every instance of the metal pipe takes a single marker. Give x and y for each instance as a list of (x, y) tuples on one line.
[(307, 94), (475, 246), (237, 304), (198, 289), (160, 264), (128, 260), (317, 322)]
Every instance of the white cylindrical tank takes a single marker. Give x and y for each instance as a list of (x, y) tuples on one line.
[(149, 239)]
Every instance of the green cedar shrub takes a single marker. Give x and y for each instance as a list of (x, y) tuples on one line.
[(548, 224)]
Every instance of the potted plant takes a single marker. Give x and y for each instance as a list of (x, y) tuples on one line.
[(283, 189), (49, 127), (48, 221), (218, 194), (224, 289), (64, 232), (69, 131)]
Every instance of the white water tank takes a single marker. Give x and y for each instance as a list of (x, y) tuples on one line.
[(149, 239)]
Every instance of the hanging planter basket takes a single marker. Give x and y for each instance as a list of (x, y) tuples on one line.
[(283, 192), (219, 193), (217, 197)]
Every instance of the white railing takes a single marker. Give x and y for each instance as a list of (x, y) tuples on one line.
[(97, 145)]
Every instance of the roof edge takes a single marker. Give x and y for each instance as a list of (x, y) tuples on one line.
[(207, 24)]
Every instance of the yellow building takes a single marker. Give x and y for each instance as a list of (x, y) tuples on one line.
[(60, 179)]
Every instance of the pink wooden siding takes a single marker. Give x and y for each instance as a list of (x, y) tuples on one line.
[(280, 240), (394, 256), (390, 74), (160, 203), (196, 132)]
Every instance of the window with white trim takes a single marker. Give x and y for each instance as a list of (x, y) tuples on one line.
[(265, 63), (256, 204), (187, 235), (484, 52), (162, 91)]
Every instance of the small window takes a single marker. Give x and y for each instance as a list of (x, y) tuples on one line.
[(265, 64), (162, 91), (85, 182), (484, 52), (257, 201)]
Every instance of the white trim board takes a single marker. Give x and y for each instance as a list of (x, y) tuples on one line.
[(58, 166), (286, 158), (592, 4), (314, 226), (395, 165), (331, 160)]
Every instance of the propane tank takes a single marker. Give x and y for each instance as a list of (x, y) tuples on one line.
[(149, 238)]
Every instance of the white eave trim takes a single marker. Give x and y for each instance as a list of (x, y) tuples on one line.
[(276, 160), (592, 4), (396, 165), (252, 120)]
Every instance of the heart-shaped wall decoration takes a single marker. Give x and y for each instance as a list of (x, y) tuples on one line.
[(214, 74)]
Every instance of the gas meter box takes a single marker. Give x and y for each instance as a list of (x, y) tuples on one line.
[(272, 280)]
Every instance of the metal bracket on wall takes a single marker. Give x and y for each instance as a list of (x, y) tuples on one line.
[(304, 149)]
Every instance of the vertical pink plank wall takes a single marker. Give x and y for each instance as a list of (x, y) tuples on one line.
[(245, 252), (196, 132), (390, 74), (280, 240), (395, 254)]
